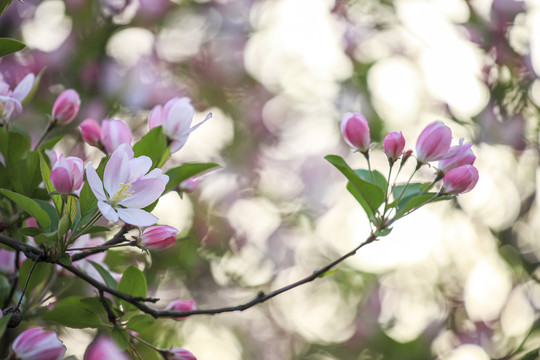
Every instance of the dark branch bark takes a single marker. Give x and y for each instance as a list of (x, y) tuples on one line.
[(117, 239), (140, 302)]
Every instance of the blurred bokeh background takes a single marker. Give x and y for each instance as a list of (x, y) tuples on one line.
[(455, 280)]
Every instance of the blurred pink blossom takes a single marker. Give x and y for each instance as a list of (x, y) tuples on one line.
[(36, 344), (66, 106), (104, 348), (181, 305), (355, 131), (114, 132)]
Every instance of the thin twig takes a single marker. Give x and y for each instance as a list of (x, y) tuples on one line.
[(117, 239), (139, 302), (26, 283)]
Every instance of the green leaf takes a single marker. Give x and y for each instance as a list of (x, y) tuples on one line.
[(121, 337), (4, 4), (74, 313), (382, 233), (185, 171), (39, 275), (46, 177), (3, 324), (153, 145), (26, 174), (51, 211), (133, 283), (65, 259), (105, 274), (31, 207), (13, 145), (30, 231), (378, 178), (49, 238), (49, 144), (7, 45), (140, 322), (370, 196), (95, 229), (416, 202), (87, 201)]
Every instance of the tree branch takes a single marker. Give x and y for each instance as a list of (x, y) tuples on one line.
[(117, 239), (139, 302)]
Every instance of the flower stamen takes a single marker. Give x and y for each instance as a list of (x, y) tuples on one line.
[(121, 194)]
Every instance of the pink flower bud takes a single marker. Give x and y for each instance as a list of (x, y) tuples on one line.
[(113, 133), (67, 175), (90, 132), (434, 142), (104, 348), (355, 131), (66, 106), (462, 155), (180, 354), (181, 305), (36, 344), (154, 119), (158, 237), (394, 143), (460, 180)]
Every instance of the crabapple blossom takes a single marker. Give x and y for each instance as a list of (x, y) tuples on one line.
[(355, 131), (37, 344), (127, 187), (158, 237), (104, 349), (181, 305), (66, 106), (394, 143), (462, 155), (114, 132), (434, 142), (67, 174), (175, 118), (460, 180), (180, 354), (90, 132)]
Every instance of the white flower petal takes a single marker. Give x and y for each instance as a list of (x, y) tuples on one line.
[(137, 217), (138, 167), (95, 182), (116, 172), (107, 211)]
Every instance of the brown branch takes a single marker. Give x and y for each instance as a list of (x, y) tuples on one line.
[(139, 302), (117, 239)]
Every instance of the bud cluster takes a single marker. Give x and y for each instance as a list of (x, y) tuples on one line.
[(386, 201)]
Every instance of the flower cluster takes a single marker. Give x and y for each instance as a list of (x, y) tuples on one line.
[(433, 144)]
